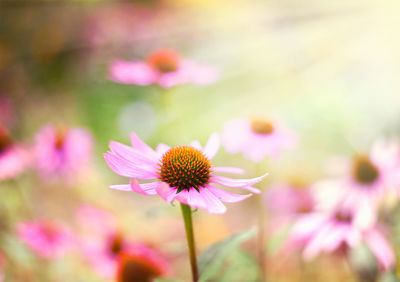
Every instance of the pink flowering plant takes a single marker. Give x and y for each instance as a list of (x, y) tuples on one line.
[(164, 67), (181, 173)]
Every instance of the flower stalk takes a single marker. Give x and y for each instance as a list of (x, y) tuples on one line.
[(187, 219)]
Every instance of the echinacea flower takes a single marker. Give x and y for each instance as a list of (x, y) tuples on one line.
[(182, 173), (14, 158), (48, 239), (141, 264), (99, 239), (103, 251), (256, 138), (335, 230), (62, 152), (366, 180), (164, 67)]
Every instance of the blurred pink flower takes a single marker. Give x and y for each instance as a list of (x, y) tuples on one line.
[(141, 264), (14, 158), (48, 239), (334, 231), (183, 173), (366, 180), (62, 151), (256, 138), (100, 242), (163, 67), (285, 200)]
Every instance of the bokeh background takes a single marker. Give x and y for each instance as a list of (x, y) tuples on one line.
[(328, 70)]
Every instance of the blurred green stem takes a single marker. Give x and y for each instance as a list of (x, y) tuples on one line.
[(187, 218)]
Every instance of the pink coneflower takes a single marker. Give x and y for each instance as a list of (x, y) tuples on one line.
[(336, 231), (102, 252), (14, 158), (100, 241), (164, 67), (141, 264), (368, 177), (182, 173), (63, 152), (256, 138), (48, 239)]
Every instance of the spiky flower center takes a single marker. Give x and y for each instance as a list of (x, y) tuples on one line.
[(135, 269), (5, 139), (262, 127), (61, 133), (164, 61), (185, 167), (364, 171)]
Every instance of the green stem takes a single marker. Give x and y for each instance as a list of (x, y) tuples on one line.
[(187, 218)]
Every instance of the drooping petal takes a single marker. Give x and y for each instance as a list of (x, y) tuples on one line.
[(228, 169), (195, 199), (236, 183), (227, 196), (214, 205), (126, 168), (381, 248), (166, 192), (138, 73), (212, 145), (317, 242), (145, 188)]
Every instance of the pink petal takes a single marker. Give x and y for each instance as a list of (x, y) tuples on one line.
[(227, 169), (381, 248), (227, 196), (138, 144), (138, 73), (122, 187), (162, 149), (166, 192), (126, 168), (136, 157), (214, 205), (212, 145), (145, 188), (195, 199), (317, 242), (196, 144), (236, 183)]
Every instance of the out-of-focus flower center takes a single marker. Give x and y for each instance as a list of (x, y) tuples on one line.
[(135, 269), (164, 61), (116, 245), (343, 216), (262, 127), (364, 171), (5, 139), (49, 229), (185, 167), (59, 143)]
